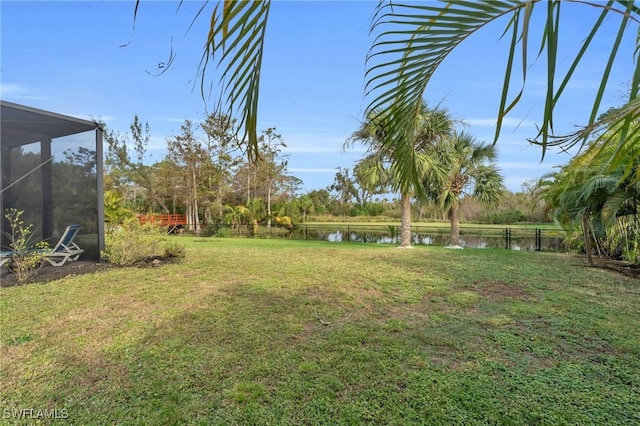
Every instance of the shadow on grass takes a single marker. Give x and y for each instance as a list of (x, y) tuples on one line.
[(253, 354)]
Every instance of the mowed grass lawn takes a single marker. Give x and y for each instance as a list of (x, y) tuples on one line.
[(292, 332)]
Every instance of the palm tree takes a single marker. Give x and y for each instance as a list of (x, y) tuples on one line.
[(470, 170), (383, 166), (234, 217)]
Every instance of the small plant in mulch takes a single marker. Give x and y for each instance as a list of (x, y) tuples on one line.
[(27, 254)]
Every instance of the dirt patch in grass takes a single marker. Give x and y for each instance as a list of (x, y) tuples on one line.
[(496, 290)]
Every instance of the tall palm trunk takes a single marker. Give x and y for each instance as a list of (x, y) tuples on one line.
[(455, 224), (587, 238), (405, 224)]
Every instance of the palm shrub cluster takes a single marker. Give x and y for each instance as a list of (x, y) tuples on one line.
[(601, 197)]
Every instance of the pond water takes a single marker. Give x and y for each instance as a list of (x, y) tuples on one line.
[(433, 238)]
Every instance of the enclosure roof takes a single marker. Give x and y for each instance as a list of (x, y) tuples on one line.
[(21, 125)]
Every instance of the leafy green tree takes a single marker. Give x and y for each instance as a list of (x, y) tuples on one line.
[(125, 171), (305, 205), (322, 200), (267, 177), (470, 170), (271, 166), (188, 153), (291, 186), (169, 185), (236, 216), (347, 188), (221, 146)]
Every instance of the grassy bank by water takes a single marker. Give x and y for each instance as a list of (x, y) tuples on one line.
[(293, 332)]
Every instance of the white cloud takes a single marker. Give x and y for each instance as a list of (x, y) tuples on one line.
[(8, 89), (18, 93)]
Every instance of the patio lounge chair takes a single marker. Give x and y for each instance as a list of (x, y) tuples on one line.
[(5, 257), (66, 250)]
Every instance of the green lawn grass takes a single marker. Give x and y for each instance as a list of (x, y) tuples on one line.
[(293, 332)]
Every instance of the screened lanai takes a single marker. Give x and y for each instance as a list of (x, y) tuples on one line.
[(51, 169)]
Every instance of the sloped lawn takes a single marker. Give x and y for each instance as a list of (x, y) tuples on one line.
[(294, 332)]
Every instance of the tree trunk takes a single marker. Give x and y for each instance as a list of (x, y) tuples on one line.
[(269, 204), (455, 224), (405, 227), (196, 219), (248, 187), (587, 238), (219, 205), (189, 218)]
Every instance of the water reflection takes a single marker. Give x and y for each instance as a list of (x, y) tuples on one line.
[(431, 239)]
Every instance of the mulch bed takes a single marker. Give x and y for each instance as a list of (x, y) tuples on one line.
[(624, 268), (49, 273)]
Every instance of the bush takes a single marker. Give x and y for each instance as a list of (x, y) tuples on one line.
[(505, 217), (368, 209), (173, 249), (27, 255), (212, 228), (224, 232), (130, 243)]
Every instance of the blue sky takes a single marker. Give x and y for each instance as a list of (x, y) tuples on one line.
[(68, 57)]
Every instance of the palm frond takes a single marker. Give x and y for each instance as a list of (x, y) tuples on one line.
[(412, 41), (488, 185), (620, 203), (236, 43)]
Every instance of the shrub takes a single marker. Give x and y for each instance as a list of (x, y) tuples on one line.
[(505, 217), (173, 249), (28, 255), (211, 229), (368, 209), (223, 233), (132, 242)]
